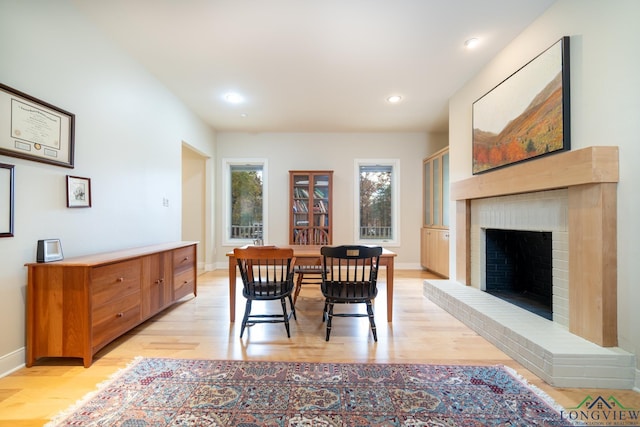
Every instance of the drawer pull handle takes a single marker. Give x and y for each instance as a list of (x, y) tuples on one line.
[(120, 279), (186, 258), (121, 314)]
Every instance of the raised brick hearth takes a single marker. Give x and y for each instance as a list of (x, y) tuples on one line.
[(546, 348)]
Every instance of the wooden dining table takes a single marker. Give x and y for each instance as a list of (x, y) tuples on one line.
[(310, 255)]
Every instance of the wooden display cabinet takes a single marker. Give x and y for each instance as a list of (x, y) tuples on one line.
[(310, 207)]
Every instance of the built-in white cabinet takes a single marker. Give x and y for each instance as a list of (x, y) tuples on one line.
[(434, 236)]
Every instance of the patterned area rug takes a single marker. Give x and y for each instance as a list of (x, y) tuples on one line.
[(174, 392)]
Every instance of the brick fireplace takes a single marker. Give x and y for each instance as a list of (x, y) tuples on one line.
[(573, 195), (590, 176), (542, 211), (518, 268)]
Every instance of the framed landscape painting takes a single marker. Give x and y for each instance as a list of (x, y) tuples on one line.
[(527, 115)]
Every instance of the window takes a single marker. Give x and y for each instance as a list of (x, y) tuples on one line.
[(245, 196), (377, 201)]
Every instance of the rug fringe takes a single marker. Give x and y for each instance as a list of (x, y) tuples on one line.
[(62, 415), (539, 392)]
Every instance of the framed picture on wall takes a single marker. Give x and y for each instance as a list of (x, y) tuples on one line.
[(527, 115), (35, 130), (78, 192), (6, 200)]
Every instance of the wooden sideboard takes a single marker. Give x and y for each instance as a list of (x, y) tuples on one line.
[(77, 306)]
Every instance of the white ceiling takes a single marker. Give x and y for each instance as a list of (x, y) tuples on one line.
[(314, 65)]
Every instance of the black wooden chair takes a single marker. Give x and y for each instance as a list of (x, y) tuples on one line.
[(349, 276), (267, 274)]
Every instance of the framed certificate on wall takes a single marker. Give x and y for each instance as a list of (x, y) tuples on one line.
[(35, 130)]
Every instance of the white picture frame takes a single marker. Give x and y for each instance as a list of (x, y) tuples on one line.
[(49, 250)]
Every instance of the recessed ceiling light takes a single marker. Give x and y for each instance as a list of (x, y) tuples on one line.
[(234, 98), (471, 43), (394, 99), (244, 115)]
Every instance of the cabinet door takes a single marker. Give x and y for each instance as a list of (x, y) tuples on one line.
[(427, 218), (300, 199), (321, 209), (437, 191), (424, 247), (442, 248), (157, 283), (434, 250), (428, 248), (445, 189)]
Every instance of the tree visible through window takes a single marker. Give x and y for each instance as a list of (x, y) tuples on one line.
[(376, 202), (246, 202)]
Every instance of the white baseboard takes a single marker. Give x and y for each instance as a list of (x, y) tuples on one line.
[(407, 266), (11, 362)]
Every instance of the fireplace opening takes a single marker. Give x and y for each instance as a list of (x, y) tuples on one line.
[(519, 269)]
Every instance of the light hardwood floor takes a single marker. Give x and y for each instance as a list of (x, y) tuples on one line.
[(199, 327)]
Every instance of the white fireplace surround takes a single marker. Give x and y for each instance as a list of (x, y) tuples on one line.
[(573, 195), (545, 347), (540, 211)]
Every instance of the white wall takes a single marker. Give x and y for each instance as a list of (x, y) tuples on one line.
[(332, 151), (129, 134), (194, 200), (605, 110)]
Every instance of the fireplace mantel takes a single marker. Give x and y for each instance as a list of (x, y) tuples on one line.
[(586, 166), (591, 176)]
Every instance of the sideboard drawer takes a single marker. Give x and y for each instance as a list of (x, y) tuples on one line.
[(115, 280), (184, 259), (113, 319), (184, 283)]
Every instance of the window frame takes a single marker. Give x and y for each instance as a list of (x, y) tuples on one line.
[(226, 197), (395, 201)]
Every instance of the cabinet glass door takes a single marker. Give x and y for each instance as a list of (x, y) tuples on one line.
[(427, 194), (437, 197), (301, 209), (320, 210), (445, 189)]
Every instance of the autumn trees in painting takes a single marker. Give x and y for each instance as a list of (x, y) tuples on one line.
[(538, 130)]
